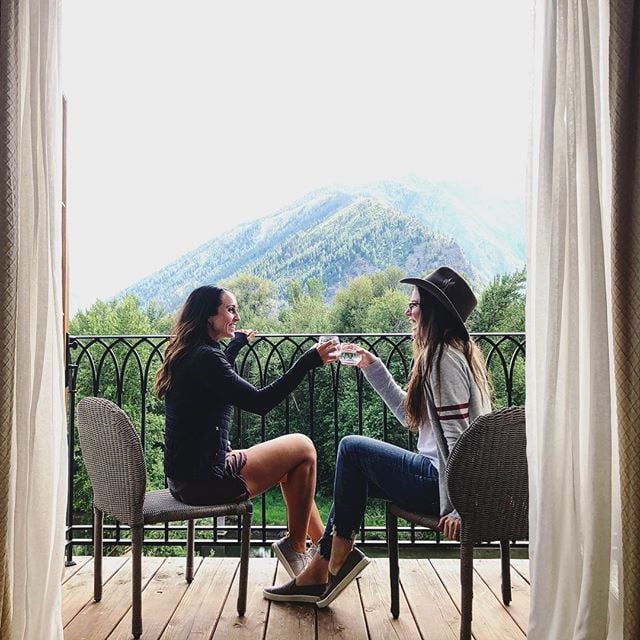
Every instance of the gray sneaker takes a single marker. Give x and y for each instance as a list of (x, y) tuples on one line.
[(291, 592), (354, 564), (291, 560)]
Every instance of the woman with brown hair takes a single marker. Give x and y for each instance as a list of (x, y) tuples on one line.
[(448, 388), (200, 388)]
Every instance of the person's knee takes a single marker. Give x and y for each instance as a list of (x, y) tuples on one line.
[(304, 447), (350, 444)]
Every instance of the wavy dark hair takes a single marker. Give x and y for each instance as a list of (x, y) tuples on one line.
[(190, 328), (437, 328)]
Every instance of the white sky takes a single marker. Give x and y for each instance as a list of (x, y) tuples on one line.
[(187, 118)]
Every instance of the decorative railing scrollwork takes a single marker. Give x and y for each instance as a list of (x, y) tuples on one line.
[(331, 403)]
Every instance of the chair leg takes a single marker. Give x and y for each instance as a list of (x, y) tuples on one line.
[(244, 560), (136, 581), (97, 554), (191, 529), (466, 584), (394, 567), (506, 571)]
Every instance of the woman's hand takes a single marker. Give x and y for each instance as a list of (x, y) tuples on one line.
[(450, 526), (328, 351), (366, 357), (250, 333)]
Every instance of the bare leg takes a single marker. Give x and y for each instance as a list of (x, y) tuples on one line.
[(317, 571), (291, 460), (340, 549), (315, 528)]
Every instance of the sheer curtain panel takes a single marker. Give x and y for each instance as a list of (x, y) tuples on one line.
[(33, 442), (575, 546)]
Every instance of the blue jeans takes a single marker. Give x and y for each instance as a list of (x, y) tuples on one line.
[(368, 467)]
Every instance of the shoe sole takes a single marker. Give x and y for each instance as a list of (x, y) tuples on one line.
[(344, 583), (276, 597), (285, 563)]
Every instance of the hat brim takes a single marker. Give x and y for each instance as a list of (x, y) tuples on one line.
[(441, 297)]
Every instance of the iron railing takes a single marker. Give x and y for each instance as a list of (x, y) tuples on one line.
[(333, 402)]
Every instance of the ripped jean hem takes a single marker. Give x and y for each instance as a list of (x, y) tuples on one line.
[(351, 537), (324, 544)]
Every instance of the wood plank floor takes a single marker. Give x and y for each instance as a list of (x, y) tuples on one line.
[(430, 601)]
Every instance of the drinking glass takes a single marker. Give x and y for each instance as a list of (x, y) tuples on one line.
[(349, 356), (331, 338)]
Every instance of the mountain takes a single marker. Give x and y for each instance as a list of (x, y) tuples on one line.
[(338, 233), (491, 231)]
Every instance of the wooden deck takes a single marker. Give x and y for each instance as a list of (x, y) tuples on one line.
[(430, 600)]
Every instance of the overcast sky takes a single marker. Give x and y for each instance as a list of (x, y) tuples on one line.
[(187, 118)]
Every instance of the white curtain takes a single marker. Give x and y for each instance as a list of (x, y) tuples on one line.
[(575, 503), (37, 472)]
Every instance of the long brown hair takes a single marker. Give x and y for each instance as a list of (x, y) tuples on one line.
[(437, 328), (190, 328)]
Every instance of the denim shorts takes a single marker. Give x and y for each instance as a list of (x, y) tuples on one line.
[(232, 487)]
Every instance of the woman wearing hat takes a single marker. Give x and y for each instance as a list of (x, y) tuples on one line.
[(448, 388)]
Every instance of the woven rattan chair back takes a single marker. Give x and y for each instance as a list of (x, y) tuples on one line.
[(114, 459), (113, 455), (487, 477), (487, 480)]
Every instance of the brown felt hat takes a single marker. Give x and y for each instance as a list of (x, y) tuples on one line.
[(451, 290)]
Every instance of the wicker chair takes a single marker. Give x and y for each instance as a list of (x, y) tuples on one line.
[(488, 485), (113, 455)]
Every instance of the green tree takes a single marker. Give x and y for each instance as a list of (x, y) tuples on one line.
[(294, 291), (316, 288), (387, 280), (501, 309), (351, 305), (307, 311), (120, 317), (256, 298), (371, 303), (386, 314), (501, 306), (123, 376)]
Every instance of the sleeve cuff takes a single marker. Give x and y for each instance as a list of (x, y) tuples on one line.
[(313, 357), (240, 338)]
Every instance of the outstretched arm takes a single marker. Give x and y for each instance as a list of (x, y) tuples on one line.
[(224, 381), (383, 382)]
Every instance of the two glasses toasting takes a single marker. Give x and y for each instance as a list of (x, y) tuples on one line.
[(347, 352)]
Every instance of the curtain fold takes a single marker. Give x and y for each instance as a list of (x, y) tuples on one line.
[(32, 400), (570, 417), (625, 256)]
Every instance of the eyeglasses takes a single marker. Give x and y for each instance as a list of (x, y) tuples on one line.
[(412, 305)]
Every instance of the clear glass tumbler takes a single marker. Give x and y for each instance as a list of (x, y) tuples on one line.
[(348, 355)]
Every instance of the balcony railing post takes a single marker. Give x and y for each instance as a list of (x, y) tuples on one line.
[(70, 380)]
